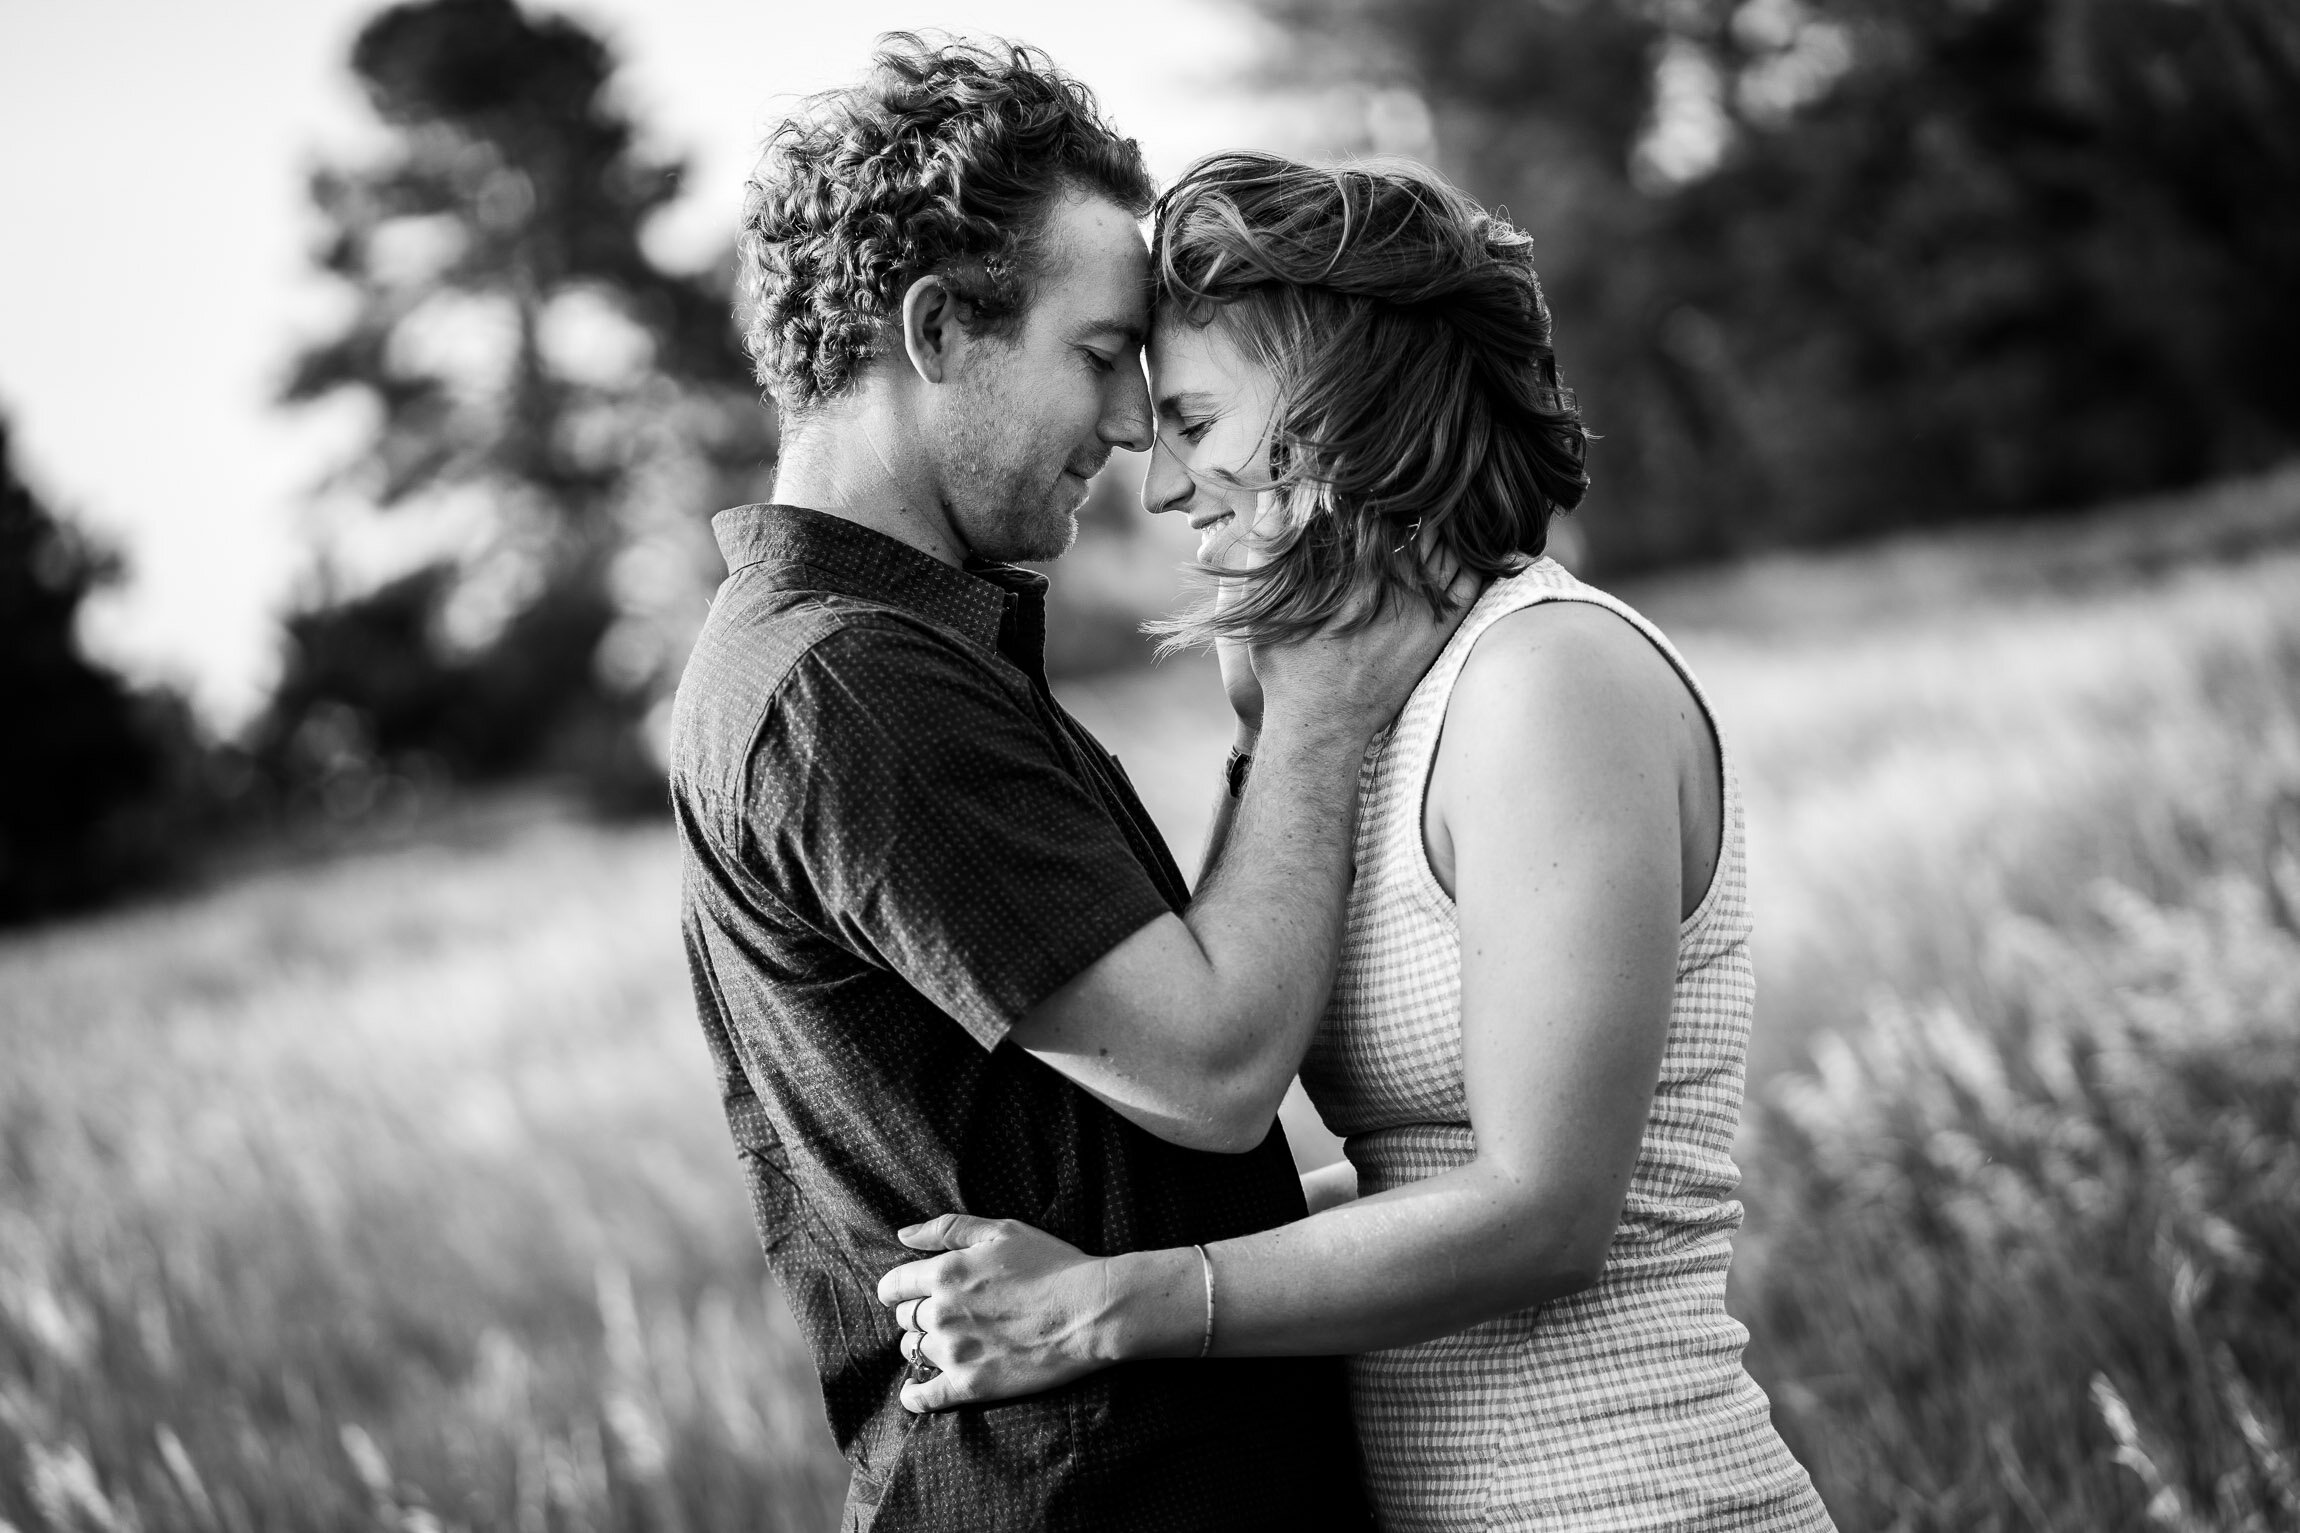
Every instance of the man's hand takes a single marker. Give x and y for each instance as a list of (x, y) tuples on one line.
[(1355, 680), (1359, 679)]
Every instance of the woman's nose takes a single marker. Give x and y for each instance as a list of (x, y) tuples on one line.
[(1168, 485)]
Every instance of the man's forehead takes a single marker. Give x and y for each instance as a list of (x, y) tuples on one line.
[(1097, 268)]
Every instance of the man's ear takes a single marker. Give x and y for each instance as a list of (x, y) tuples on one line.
[(931, 332)]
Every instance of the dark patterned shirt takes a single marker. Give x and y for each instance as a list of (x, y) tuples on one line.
[(897, 843)]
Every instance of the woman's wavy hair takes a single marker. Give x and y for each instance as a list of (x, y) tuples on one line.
[(945, 159), (1420, 430)]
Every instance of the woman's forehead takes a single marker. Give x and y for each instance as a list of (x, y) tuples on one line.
[(1196, 356)]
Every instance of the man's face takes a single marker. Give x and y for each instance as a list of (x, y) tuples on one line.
[(1031, 418)]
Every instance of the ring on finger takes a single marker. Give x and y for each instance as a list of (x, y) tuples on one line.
[(922, 1367), (906, 1314)]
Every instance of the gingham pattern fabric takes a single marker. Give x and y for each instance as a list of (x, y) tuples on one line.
[(1623, 1407)]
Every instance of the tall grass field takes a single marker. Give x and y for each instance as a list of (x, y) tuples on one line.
[(389, 1190)]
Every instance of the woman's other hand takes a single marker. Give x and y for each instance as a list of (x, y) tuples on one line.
[(1233, 547), (1241, 686), (1330, 1186), (1007, 1310)]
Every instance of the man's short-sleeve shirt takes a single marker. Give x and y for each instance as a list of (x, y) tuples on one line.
[(896, 844)]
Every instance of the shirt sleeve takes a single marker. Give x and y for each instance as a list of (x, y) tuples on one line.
[(910, 802)]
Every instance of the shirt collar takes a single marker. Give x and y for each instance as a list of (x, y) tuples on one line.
[(999, 606)]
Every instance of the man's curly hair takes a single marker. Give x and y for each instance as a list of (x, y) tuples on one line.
[(944, 160)]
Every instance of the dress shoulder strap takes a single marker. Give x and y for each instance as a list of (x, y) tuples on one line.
[(1410, 752)]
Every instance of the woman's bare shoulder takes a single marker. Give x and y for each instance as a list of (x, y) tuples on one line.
[(1575, 656)]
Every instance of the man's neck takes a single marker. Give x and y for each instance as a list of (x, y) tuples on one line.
[(851, 462)]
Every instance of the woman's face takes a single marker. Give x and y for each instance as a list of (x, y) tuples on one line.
[(1214, 409)]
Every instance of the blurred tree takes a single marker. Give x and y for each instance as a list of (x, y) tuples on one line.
[(85, 758), (1822, 266), (561, 411)]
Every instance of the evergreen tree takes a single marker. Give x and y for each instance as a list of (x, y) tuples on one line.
[(76, 754), (1826, 266), (569, 409)]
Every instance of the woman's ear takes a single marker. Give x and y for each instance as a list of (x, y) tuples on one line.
[(1276, 456), (930, 328)]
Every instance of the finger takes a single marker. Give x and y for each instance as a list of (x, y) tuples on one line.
[(950, 1232), (1273, 513), (911, 1280), (939, 1393), (910, 1344), (906, 1314)]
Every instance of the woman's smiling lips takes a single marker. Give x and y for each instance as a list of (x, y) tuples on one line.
[(1208, 529)]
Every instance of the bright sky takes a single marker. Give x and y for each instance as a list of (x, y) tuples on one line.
[(152, 158)]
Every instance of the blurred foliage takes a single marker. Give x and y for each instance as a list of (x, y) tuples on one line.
[(2040, 1260), (1824, 266), (385, 1192), (1958, 730), (558, 409), (99, 781), (2023, 1249)]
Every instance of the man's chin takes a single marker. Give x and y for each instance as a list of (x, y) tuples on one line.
[(996, 527), (1047, 535), (1050, 538)]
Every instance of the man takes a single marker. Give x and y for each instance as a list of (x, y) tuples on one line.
[(940, 953)]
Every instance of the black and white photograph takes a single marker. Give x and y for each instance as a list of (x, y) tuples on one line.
[(1392, 766)]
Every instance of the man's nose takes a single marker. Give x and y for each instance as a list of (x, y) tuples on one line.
[(1126, 422)]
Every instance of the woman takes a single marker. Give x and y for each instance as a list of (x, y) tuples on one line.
[(1535, 1042)]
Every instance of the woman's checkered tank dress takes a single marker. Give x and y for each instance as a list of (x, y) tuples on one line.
[(1622, 1407)]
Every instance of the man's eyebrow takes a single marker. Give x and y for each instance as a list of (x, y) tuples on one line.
[(1126, 329)]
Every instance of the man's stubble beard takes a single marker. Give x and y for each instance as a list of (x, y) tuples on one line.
[(989, 497), (997, 526)]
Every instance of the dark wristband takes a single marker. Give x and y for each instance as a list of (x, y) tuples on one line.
[(1241, 762)]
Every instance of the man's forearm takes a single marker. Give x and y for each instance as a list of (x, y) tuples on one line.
[(1245, 743), (1268, 914), (1193, 1027)]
